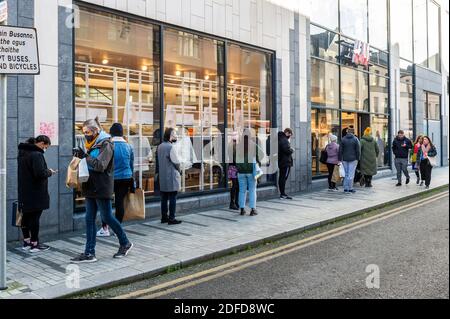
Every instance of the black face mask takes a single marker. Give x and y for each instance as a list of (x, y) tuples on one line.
[(89, 138)]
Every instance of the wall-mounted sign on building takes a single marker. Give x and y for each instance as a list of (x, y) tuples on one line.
[(18, 50)]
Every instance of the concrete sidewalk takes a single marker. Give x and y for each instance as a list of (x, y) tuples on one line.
[(202, 235)]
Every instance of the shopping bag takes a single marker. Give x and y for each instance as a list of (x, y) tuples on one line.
[(257, 171), (342, 171), (134, 204), (83, 172), (433, 161), (72, 173), (17, 215), (336, 178)]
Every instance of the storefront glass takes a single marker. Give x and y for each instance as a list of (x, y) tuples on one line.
[(354, 90), (324, 44), (380, 131), (420, 33), (378, 22), (379, 94), (324, 83), (402, 26), (326, 14), (434, 56), (117, 80), (406, 109), (323, 123), (353, 18)]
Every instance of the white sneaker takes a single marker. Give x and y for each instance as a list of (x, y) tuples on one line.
[(103, 232)]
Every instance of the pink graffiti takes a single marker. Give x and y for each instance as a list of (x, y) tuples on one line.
[(48, 129)]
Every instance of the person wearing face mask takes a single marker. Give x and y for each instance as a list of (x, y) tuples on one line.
[(34, 198), (285, 160), (98, 190), (168, 167)]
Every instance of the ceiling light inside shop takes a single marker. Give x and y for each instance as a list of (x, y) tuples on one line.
[(178, 73), (206, 77), (105, 61), (144, 68)]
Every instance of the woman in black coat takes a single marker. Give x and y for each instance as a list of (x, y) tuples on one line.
[(33, 189)]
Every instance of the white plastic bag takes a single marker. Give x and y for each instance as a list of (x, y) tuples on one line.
[(83, 171), (342, 171)]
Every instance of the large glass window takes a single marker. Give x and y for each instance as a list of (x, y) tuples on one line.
[(380, 131), (354, 18), (324, 83), (401, 27), (326, 14), (323, 123), (117, 80), (407, 109), (433, 107), (354, 90), (434, 56), (378, 24), (194, 105), (250, 95), (324, 44), (420, 32), (379, 94)]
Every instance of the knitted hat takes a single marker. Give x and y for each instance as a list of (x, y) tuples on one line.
[(116, 130)]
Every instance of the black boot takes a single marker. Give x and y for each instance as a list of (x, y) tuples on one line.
[(233, 206), (253, 212), (243, 212)]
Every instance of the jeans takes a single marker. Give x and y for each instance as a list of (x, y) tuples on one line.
[(350, 168), (121, 188), (284, 175), (105, 207), (401, 165), (426, 170), (247, 181), (331, 167), (172, 209), (30, 225)]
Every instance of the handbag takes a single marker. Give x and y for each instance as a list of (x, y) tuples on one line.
[(72, 173), (324, 156), (134, 205), (257, 171), (433, 161), (83, 171), (17, 215)]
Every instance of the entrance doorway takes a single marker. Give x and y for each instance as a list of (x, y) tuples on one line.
[(358, 121)]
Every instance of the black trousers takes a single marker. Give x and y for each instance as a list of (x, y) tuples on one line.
[(425, 171), (284, 175), (234, 192), (172, 208), (331, 167), (368, 179), (121, 189), (30, 225)]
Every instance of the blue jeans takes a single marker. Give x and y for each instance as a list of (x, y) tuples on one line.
[(350, 168), (247, 181), (105, 207)]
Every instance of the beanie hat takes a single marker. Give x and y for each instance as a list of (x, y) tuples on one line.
[(116, 130)]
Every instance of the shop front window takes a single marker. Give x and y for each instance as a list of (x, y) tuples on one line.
[(323, 123), (324, 44), (406, 109), (250, 96), (194, 105), (324, 83), (379, 94), (354, 18), (380, 131), (117, 80), (355, 90)]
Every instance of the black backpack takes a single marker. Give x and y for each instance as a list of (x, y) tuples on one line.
[(324, 156)]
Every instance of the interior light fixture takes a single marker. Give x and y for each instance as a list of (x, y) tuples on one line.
[(178, 73), (144, 68), (105, 61), (206, 77)]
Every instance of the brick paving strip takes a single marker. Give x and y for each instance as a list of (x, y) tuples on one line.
[(202, 236)]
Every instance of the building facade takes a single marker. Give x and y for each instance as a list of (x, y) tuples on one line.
[(208, 67)]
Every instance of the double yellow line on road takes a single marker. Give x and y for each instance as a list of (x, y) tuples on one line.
[(223, 270)]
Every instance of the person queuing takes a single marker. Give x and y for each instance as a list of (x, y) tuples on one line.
[(285, 160), (123, 174), (33, 175), (332, 150), (349, 155), (99, 189), (369, 154), (401, 147)]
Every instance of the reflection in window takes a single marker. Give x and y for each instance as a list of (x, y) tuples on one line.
[(380, 131), (323, 123), (420, 32), (401, 27), (406, 109), (354, 18), (378, 29), (434, 55), (250, 95), (355, 90), (194, 105), (324, 83), (324, 44), (406, 72), (379, 94), (117, 79), (433, 107), (325, 14)]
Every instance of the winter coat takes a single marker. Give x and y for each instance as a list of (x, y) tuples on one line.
[(369, 155), (350, 149), (123, 159), (333, 153), (284, 151), (33, 177), (169, 177), (100, 161), (431, 153), (401, 147)]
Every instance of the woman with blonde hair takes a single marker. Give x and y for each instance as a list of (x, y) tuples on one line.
[(369, 155)]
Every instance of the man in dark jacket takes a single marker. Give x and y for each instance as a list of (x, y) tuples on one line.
[(349, 155), (401, 148), (34, 198), (285, 161)]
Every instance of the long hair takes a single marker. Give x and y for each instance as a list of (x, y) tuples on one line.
[(168, 133), (40, 139), (418, 139), (431, 142)]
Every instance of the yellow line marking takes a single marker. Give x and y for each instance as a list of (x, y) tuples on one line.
[(216, 272)]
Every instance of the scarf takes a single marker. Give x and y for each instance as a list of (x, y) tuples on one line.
[(425, 150), (89, 145)]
